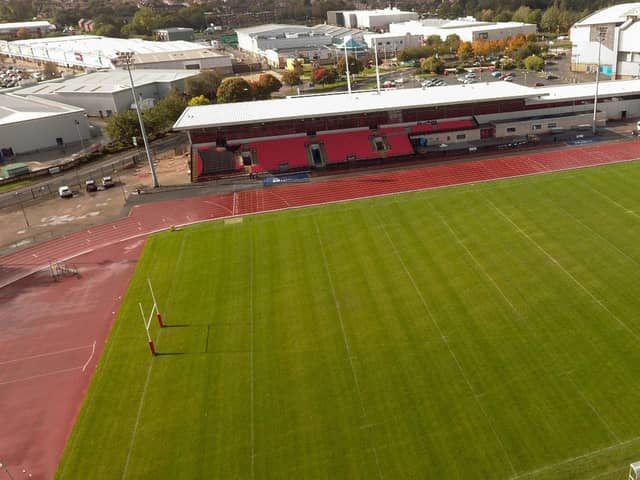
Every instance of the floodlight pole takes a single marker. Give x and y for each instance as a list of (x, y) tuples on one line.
[(127, 58), (375, 43), (602, 33), (4, 467), (346, 64)]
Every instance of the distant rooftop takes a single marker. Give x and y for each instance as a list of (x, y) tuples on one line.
[(111, 81), (14, 109), (18, 25), (614, 14)]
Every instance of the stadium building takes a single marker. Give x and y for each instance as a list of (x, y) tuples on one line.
[(338, 130)]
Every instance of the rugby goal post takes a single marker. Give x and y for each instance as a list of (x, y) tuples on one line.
[(147, 320)]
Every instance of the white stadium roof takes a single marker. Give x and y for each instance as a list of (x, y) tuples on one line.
[(614, 14), (314, 106), (358, 102)]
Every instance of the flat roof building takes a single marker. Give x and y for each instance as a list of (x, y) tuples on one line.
[(618, 27), (102, 94), (38, 29), (175, 33), (378, 20), (28, 124), (95, 52), (468, 29)]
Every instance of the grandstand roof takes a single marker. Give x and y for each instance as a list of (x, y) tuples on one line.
[(335, 104), (587, 90)]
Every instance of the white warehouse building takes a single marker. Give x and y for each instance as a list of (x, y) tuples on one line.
[(378, 20), (468, 29), (618, 28), (95, 52), (101, 94), (28, 124), (391, 43)]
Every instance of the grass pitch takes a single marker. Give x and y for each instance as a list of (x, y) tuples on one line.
[(484, 331)]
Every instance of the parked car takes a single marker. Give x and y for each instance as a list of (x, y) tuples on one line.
[(538, 84), (90, 186), (552, 77), (508, 79), (470, 75), (497, 74), (107, 182), (65, 192)]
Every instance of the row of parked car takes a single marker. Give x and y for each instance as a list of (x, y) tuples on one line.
[(89, 185), (436, 82)]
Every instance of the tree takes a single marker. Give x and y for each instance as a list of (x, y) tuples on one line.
[(122, 127), (298, 67), (465, 51), (266, 85), (355, 65), (199, 100), (324, 75), (534, 63), (163, 115), (291, 78), (50, 70), (143, 22), (521, 14), (551, 18), (452, 42), (23, 34), (107, 30), (481, 48), (234, 90), (433, 40), (432, 65), (205, 84)]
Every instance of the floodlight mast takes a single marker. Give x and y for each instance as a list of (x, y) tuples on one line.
[(127, 59), (602, 34)]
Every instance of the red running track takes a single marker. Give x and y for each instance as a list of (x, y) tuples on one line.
[(150, 218)]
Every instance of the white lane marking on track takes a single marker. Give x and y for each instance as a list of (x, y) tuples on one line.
[(40, 375), (40, 355), (93, 351)]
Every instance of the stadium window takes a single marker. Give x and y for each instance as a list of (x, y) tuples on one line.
[(511, 129), (379, 145), (461, 136), (247, 158), (537, 126)]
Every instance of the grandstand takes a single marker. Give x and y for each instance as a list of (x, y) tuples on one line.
[(334, 130)]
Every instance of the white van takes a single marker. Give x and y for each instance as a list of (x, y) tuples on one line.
[(65, 192)]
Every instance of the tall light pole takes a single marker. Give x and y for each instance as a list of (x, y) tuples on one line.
[(127, 59), (4, 467), (601, 36), (346, 64), (375, 43)]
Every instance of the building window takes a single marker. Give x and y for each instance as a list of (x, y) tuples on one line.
[(552, 125), (461, 136), (537, 126), (379, 144), (511, 129), (247, 158)]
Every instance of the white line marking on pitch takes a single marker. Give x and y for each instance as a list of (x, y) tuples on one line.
[(93, 351), (57, 352)]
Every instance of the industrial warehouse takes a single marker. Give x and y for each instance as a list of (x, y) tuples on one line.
[(360, 128)]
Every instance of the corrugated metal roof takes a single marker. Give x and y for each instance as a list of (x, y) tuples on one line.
[(614, 14)]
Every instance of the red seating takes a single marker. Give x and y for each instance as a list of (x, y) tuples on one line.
[(399, 144), (340, 146), (272, 153), (444, 126)]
